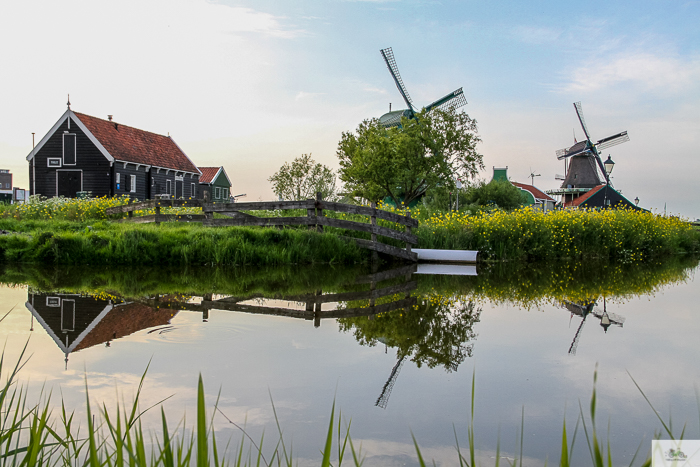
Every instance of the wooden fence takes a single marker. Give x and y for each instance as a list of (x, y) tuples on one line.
[(238, 214)]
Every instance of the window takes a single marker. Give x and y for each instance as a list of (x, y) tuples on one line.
[(168, 185), (224, 193), (132, 188), (217, 192), (69, 150), (193, 193)]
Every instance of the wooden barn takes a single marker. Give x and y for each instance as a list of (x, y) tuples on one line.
[(84, 154), (216, 183)]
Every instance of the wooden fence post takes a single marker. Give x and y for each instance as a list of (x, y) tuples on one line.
[(319, 211), (311, 212), (408, 231), (131, 211), (157, 212), (373, 222)]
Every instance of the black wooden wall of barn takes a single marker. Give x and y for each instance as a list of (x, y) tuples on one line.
[(94, 166), (98, 176)]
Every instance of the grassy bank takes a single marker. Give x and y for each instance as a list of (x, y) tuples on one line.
[(70, 231), (532, 235), (107, 243)]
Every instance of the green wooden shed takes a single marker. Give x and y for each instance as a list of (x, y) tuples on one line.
[(215, 183)]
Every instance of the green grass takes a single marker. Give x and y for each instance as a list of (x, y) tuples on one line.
[(530, 235), (106, 243)]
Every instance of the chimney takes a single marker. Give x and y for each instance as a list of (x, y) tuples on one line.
[(109, 117)]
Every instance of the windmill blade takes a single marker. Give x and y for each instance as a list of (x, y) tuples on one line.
[(611, 141), (391, 119), (453, 100), (579, 112), (388, 55), (578, 148), (561, 153)]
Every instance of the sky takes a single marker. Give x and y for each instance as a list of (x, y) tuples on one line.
[(251, 85)]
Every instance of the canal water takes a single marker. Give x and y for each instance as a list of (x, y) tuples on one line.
[(397, 351)]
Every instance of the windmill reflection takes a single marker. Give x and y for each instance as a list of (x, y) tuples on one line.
[(586, 309)]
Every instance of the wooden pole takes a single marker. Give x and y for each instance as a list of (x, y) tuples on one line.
[(408, 231), (373, 222), (157, 212), (131, 211), (319, 211)]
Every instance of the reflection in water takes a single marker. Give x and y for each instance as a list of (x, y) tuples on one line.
[(510, 318), (584, 310), (76, 322)]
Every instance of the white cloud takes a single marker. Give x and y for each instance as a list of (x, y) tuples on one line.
[(650, 72)]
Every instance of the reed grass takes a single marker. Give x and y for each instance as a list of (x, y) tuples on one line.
[(106, 243), (31, 435)]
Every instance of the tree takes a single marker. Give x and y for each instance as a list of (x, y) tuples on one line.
[(404, 162), (302, 179), (503, 194)]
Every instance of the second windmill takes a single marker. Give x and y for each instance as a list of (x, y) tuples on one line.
[(453, 100)]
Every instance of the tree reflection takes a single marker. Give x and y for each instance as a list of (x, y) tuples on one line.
[(437, 331)]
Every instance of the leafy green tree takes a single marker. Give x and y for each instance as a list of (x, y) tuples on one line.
[(302, 179), (502, 194), (404, 162)]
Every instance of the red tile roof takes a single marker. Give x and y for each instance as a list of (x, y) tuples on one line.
[(208, 174), (128, 144), (577, 201), (536, 192)]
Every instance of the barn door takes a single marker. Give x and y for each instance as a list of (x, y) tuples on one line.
[(69, 182)]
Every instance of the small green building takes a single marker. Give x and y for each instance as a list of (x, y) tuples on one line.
[(215, 183)]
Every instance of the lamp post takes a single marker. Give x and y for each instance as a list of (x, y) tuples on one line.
[(636, 201), (609, 166)]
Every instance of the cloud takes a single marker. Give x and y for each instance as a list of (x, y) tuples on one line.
[(645, 70)]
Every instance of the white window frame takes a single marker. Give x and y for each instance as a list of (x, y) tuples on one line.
[(217, 192), (63, 310), (132, 188), (224, 193), (193, 188), (168, 187), (75, 148), (55, 162)]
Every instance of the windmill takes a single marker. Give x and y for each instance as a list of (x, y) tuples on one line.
[(585, 156), (453, 100)]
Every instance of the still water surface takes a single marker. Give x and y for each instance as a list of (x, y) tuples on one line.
[(396, 350)]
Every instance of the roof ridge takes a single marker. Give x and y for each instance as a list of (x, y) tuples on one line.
[(122, 124)]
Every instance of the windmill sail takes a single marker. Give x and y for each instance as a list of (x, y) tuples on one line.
[(611, 141), (388, 55), (453, 100), (579, 112)]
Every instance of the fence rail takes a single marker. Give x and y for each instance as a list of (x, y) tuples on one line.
[(238, 214)]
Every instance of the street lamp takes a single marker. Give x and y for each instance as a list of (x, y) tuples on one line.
[(609, 165), (636, 201)]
